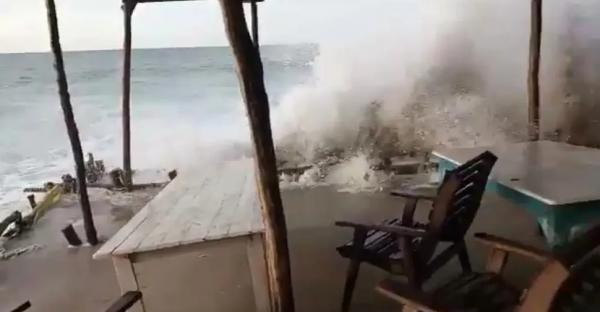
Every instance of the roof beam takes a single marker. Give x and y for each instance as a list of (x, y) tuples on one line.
[(142, 1)]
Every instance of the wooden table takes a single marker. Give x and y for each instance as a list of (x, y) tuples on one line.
[(197, 246), (558, 183)]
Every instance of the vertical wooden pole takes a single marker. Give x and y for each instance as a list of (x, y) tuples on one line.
[(250, 75), (65, 103), (254, 11), (128, 7), (533, 84)]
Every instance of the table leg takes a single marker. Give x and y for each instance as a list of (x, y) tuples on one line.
[(554, 229), (127, 280), (561, 224), (258, 271)]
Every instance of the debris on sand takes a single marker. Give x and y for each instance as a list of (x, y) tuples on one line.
[(9, 254)]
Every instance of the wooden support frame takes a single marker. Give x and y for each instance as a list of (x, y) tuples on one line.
[(128, 7), (127, 279), (533, 84), (67, 108), (250, 75)]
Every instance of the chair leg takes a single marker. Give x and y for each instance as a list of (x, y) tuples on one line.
[(350, 283), (407, 308), (463, 257)]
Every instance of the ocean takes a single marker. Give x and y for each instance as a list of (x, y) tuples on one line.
[(184, 101)]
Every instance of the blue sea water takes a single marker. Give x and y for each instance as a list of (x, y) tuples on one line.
[(183, 100)]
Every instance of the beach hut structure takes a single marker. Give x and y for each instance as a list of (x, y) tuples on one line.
[(250, 74)]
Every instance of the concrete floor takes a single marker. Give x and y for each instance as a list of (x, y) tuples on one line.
[(56, 278)]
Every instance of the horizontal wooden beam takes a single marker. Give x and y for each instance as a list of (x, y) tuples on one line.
[(142, 1)]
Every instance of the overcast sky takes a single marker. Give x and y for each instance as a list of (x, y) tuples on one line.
[(97, 24)]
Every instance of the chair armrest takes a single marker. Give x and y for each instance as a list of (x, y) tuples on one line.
[(395, 229), (414, 194), (126, 301), (513, 247)]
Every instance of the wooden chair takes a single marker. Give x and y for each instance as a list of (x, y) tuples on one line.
[(569, 281), (405, 247), (126, 301)]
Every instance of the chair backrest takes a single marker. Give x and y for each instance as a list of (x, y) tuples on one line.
[(571, 280), (457, 202)]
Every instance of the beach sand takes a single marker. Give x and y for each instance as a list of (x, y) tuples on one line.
[(57, 278)]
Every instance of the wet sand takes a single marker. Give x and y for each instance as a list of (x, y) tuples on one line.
[(57, 278)]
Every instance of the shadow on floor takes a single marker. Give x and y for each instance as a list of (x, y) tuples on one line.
[(56, 278)]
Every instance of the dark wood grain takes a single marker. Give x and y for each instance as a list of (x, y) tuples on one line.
[(533, 84), (128, 7), (65, 104), (126, 301), (250, 75)]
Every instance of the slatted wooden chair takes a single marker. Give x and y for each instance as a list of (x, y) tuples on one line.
[(569, 281), (405, 247)]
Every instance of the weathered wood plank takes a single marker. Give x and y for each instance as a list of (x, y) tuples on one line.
[(180, 209), (533, 83), (216, 202), (250, 75), (128, 7), (132, 226), (258, 271), (127, 280), (248, 199), (226, 214)]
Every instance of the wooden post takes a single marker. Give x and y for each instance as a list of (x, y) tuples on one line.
[(254, 11), (71, 236), (128, 7), (533, 84), (250, 75), (65, 103)]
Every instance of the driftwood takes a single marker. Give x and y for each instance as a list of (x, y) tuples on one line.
[(294, 170), (116, 178), (34, 190), (133, 187), (65, 103), (250, 76), (107, 186), (14, 217), (31, 199), (94, 169), (533, 84)]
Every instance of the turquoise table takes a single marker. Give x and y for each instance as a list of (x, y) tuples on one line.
[(557, 183)]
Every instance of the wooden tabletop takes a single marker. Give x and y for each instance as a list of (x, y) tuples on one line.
[(551, 172), (213, 203)]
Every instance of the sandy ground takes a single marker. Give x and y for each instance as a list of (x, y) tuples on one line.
[(56, 278)]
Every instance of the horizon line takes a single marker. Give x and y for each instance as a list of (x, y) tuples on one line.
[(154, 48)]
